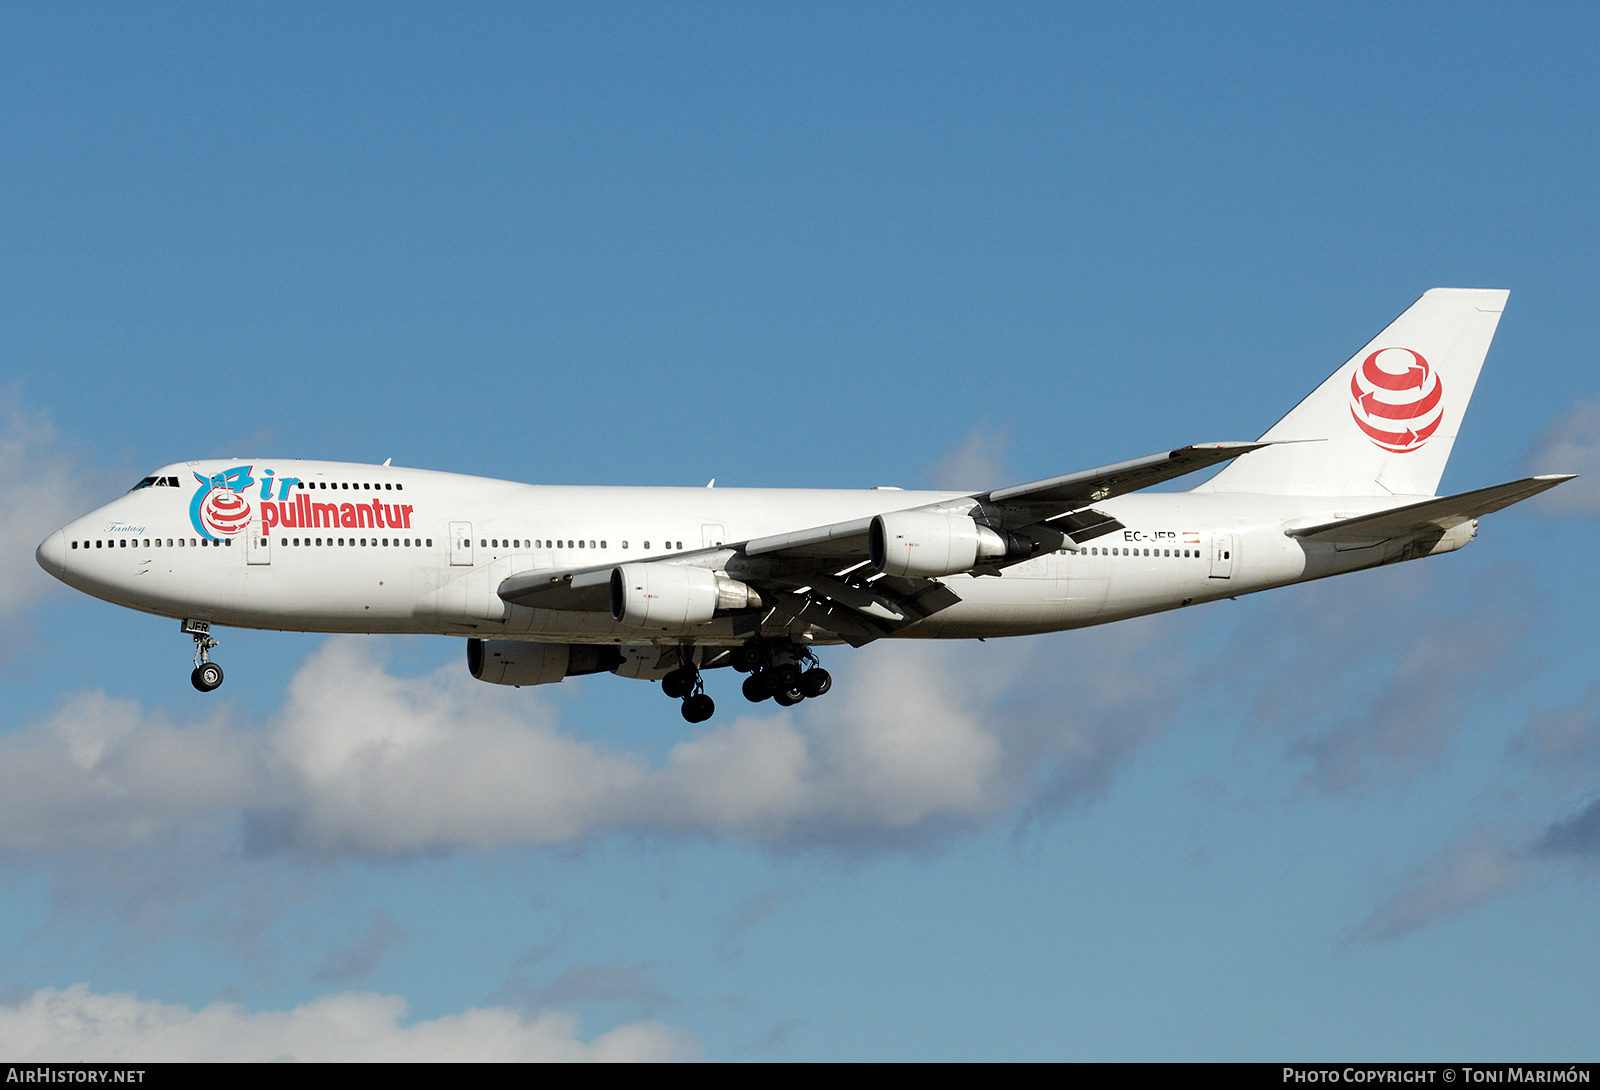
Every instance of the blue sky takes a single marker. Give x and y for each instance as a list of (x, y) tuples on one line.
[(807, 245)]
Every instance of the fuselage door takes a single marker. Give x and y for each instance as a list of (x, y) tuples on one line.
[(1222, 556), (461, 543), (257, 544), (712, 534)]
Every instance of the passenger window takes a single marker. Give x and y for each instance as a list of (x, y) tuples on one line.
[(646, 545)]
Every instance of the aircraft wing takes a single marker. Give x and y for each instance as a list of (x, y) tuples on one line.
[(820, 575), (1442, 513), (1055, 500), (1092, 485)]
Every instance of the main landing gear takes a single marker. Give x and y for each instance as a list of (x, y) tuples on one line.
[(784, 672), (207, 674), (685, 682)]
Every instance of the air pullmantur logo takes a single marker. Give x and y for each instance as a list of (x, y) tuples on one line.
[(1396, 399), (219, 508)]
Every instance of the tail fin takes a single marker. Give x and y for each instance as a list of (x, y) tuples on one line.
[(1384, 423)]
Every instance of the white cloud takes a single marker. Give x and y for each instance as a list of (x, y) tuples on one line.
[(1554, 762), (1368, 680), (915, 740), (102, 773), (1570, 444), (1465, 874), (979, 463), (45, 486), (76, 1024)]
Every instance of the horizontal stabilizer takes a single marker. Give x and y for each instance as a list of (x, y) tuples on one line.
[(1443, 513)]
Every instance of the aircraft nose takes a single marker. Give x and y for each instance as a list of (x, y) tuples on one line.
[(52, 554)]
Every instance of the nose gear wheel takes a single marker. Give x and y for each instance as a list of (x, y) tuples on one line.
[(207, 675)]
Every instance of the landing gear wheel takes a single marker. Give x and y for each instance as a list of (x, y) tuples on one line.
[(206, 677), (785, 676), (815, 682), (756, 688), (698, 708), (679, 682), (745, 659), (788, 698)]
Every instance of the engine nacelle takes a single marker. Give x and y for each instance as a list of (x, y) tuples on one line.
[(928, 543), (513, 662), (674, 595)]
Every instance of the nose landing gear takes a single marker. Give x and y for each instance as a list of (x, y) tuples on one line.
[(207, 675)]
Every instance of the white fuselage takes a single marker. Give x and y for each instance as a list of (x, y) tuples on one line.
[(378, 549)]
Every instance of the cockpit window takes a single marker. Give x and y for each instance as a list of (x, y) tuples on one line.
[(146, 483)]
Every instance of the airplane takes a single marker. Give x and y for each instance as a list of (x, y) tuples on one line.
[(664, 584)]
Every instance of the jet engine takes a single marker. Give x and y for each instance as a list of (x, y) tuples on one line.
[(674, 595), (513, 662), (928, 543)]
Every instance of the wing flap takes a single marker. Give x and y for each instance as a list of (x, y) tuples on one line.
[(581, 590), (1442, 513), (839, 539)]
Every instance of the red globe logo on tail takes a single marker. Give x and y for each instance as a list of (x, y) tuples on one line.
[(224, 512), (1397, 399)]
